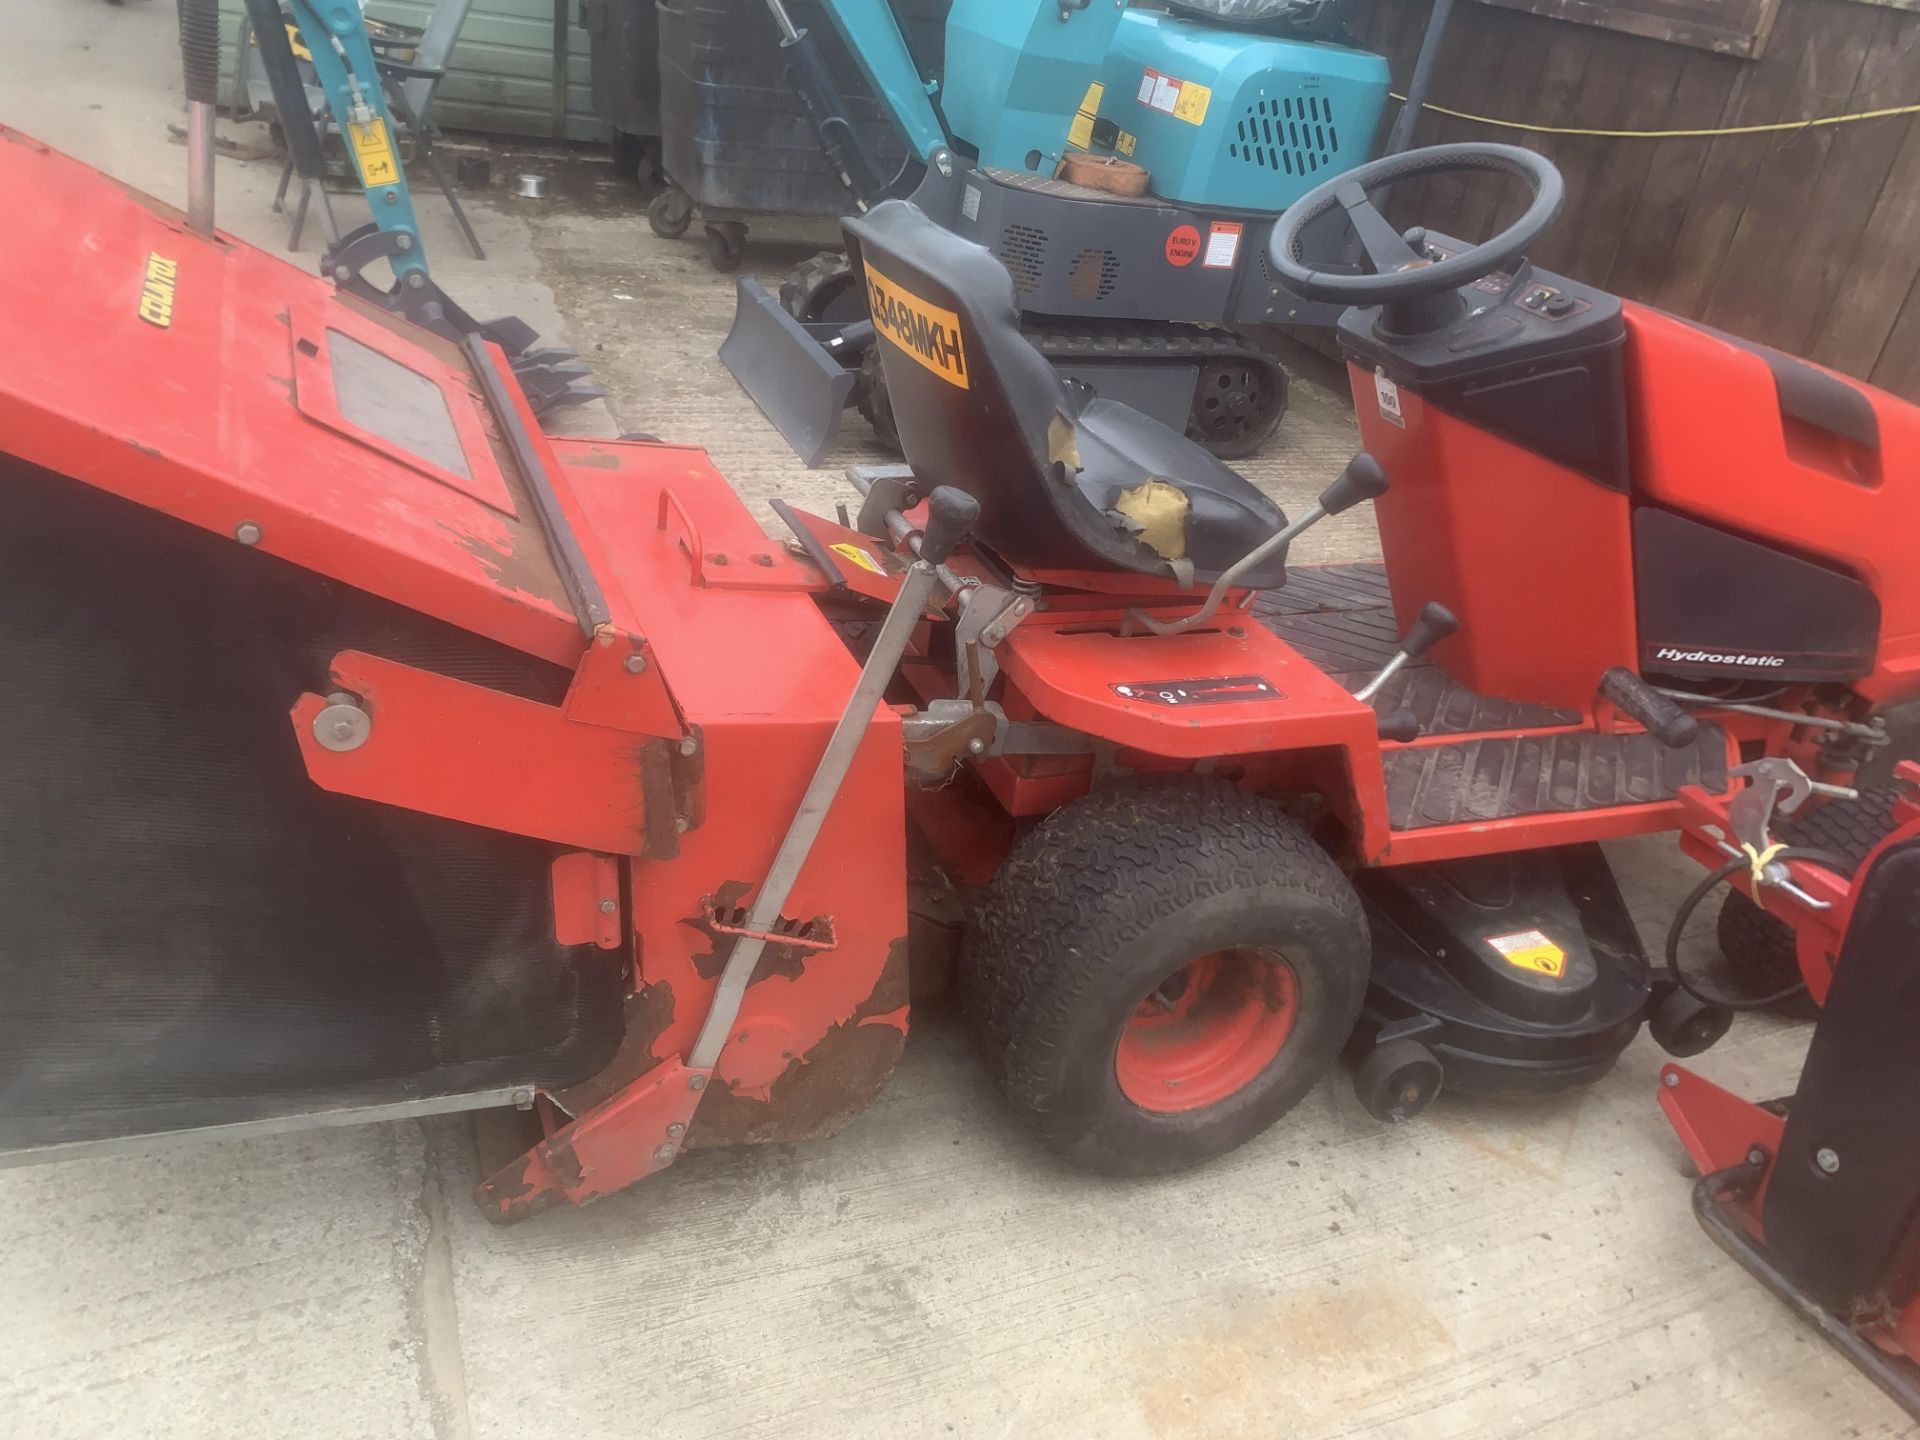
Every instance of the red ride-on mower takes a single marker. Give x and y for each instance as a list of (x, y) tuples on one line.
[(369, 753), (1818, 1195)]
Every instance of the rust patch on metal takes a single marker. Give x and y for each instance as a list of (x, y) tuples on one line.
[(647, 1015), (660, 798), (815, 1096), (523, 570), (146, 450), (593, 462), (722, 919)]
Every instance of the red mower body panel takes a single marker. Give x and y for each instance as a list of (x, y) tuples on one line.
[(675, 683), (1719, 433)]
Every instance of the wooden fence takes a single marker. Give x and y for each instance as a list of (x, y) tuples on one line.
[(1807, 239)]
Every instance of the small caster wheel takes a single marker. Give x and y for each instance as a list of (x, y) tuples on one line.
[(1683, 1026), (670, 213), (727, 246), (1397, 1080)]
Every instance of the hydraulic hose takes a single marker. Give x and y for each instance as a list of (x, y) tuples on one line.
[(1826, 858)]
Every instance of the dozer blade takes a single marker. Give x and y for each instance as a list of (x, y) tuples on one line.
[(795, 381)]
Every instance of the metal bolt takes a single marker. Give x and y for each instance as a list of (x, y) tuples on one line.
[(696, 1082), (762, 558), (607, 907), (636, 664), (1827, 1160), (248, 533), (719, 560), (977, 746), (342, 725), (943, 162), (403, 241), (676, 1130), (1756, 1156), (343, 273), (392, 197), (664, 1154), (1670, 1079), (689, 747), (523, 1099), (416, 281)]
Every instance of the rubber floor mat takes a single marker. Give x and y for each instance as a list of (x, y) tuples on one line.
[(1341, 618), (1498, 778)]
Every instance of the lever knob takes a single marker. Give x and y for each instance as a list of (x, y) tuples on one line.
[(1435, 624), (951, 515), (1363, 479)]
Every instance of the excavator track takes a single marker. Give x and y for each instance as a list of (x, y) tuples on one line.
[(1241, 396)]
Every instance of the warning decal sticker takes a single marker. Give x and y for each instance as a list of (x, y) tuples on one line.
[(926, 332), (1181, 99), (1223, 246), (1531, 950), (372, 152), (1081, 135), (846, 550)]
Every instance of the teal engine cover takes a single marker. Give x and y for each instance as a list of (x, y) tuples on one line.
[(1231, 120), (1017, 73)]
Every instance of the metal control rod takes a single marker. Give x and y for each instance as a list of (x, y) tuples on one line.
[(1363, 479), (951, 513), (200, 66)]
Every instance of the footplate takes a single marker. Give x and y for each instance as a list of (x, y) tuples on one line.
[(1501, 777)]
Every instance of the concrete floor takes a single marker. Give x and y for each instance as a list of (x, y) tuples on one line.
[(1493, 1270)]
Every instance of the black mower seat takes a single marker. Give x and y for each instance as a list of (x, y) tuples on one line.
[(1065, 481)]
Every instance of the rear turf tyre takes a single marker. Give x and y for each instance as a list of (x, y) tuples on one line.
[(1758, 948), (1160, 971)]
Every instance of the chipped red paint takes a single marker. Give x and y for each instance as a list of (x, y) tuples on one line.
[(586, 900)]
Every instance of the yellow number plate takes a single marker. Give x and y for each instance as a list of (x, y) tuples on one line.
[(926, 332)]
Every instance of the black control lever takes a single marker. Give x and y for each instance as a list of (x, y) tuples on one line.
[(951, 515), (1435, 623), (1400, 725), (1662, 718), (1362, 479)]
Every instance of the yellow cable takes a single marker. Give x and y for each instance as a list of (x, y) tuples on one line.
[(1775, 127)]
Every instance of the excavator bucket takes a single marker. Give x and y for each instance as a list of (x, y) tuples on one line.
[(366, 752), (794, 372)]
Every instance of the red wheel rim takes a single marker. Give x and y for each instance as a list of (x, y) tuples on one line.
[(1207, 1030)]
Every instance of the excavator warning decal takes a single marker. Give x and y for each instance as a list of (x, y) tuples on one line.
[(372, 152), (926, 332), (1531, 950), (1081, 134), (1181, 99)]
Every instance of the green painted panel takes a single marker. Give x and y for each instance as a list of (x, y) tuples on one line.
[(500, 78)]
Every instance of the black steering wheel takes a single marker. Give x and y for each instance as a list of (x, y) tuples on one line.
[(1401, 274)]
